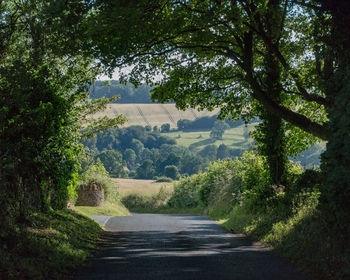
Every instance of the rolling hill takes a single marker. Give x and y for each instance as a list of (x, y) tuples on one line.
[(153, 114)]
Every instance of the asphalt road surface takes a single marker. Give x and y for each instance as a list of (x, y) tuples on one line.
[(155, 246)]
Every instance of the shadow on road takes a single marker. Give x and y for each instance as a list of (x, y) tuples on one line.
[(201, 250)]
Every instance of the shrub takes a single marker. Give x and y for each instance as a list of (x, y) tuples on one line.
[(185, 194), (171, 172), (96, 173), (308, 180), (136, 201), (220, 181), (162, 179)]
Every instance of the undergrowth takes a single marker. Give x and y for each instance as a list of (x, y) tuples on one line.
[(139, 203)]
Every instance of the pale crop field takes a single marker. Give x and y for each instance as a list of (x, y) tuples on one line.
[(153, 114), (144, 187)]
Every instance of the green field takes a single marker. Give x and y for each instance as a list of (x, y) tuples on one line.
[(197, 139), (158, 114)]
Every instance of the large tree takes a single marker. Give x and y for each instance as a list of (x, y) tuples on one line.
[(217, 53), (210, 53), (235, 55), (336, 159)]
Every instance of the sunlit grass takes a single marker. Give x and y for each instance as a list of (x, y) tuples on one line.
[(300, 237), (49, 246), (107, 209)]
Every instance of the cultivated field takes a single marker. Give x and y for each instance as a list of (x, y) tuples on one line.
[(153, 114), (144, 187), (233, 137)]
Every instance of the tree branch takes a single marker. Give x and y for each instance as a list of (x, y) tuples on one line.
[(290, 116)]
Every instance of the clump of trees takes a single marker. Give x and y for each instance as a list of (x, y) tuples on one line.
[(218, 130), (137, 152), (204, 123)]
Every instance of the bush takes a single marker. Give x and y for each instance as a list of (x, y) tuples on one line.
[(171, 172), (162, 179), (96, 173), (232, 182), (136, 201), (185, 194), (220, 182), (308, 180)]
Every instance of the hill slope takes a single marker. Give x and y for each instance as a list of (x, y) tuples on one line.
[(153, 114)]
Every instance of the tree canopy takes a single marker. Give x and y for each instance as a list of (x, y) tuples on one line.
[(222, 54), (211, 55)]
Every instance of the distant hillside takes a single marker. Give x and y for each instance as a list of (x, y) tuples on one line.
[(128, 93), (154, 114)]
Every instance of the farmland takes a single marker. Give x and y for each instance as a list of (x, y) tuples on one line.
[(196, 139), (158, 114), (153, 114), (143, 187)]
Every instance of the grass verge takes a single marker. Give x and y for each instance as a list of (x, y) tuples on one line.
[(107, 209), (50, 246), (301, 237)]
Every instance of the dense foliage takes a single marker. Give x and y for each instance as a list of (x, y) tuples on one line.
[(148, 154), (239, 194), (286, 62), (44, 80)]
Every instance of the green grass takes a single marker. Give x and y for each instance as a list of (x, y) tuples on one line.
[(107, 209), (301, 237), (232, 137), (50, 246)]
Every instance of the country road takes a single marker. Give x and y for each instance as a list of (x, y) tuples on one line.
[(155, 246)]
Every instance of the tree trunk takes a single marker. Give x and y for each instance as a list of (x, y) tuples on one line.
[(335, 197), (273, 134)]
